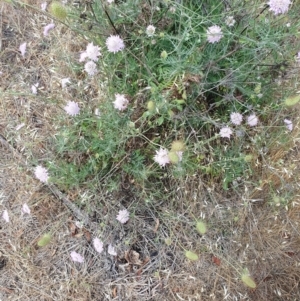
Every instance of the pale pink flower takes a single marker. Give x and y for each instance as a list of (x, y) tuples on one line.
[(65, 81), (214, 34), (289, 124), (150, 30), (5, 216), (47, 28), (72, 108), (121, 102), (236, 118), (92, 52), (279, 6), (22, 49), (90, 68), (98, 245), (225, 132), (162, 157), (25, 209), (43, 6), (252, 120), (76, 257), (111, 250), (114, 44), (298, 57), (123, 216), (34, 88), (41, 174), (230, 21)]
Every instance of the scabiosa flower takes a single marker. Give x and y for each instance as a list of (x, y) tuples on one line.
[(121, 102), (72, 108), (298, 57), (90, 68), (236, 118), (114, 44), (76, 257), (92, 52), (252, 120), (110, 1), (64, 82), (225, 132), (111, 250), (5, 216), (279, 6), (22, 49), (150, 30), (34, 88), (41, 174), (214, 34), (289, 124), (25, 209), (43, 6), (162, 157), (123, 216), (47, 28), (229, 21), (98, 245)]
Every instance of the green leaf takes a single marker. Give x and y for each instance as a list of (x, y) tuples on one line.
[(191, 255), (45, 240), (248, 281), (201, 227), (292, 100)]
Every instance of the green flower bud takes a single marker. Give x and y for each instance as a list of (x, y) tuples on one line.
[(173, 157), (164, 54), (177, 146), (151, 105)]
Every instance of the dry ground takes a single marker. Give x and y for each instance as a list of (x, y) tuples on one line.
[(245, 230)]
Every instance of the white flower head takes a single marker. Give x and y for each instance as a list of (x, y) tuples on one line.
[(22, 49), (121, 102), (236, 118), (214, 34), (43, 6), (5, 216), (34, 88), (230, 21), (123, 216), (225, 132), (289, 124), (150, 30), (162, 157), (252, 120), (65, 81), (72, 108), (25, 209), (92, 52), (76, 257), (111, 250), (98, 245), (110, 1), (41, 174), (114, 44), (47, 28), (279, 6), (90, 68)]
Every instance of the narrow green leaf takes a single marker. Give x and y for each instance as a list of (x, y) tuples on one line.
[(201, 227), (292, 100), (191, 255), (45, 240), (248, 281)]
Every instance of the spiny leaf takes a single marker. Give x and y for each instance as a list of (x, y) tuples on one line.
[(292, 100), (248, 281), (201, 227), (45, 240), (191, 255)]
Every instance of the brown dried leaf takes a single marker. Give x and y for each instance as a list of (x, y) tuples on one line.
[(156, 225), (133, 257), (216, 260)]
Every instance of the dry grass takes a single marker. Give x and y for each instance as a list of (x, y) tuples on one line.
[(246, 230)]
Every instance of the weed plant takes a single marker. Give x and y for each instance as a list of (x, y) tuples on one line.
[(182, 84)]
